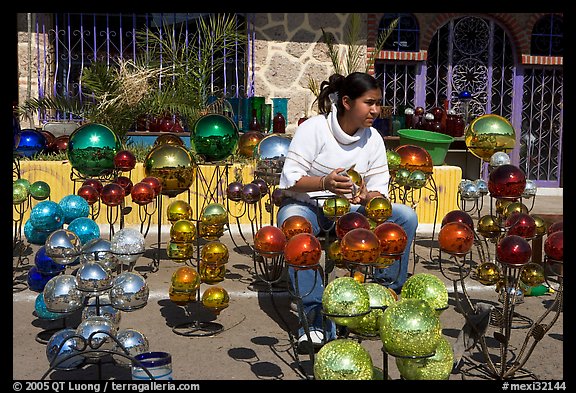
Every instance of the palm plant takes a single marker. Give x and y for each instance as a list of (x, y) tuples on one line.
[(173, 76)]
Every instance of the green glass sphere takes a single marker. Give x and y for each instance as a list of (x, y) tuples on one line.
[(335, 207), (214, 214), (417, 179), (427, 287), (19, 193), (343, 359), (410, 328), (402, 177), (345, 301), (92, 148), (40, 190), (380, 299), (437, 367), (24, 182), (214, 137), (173, 165), (394, 159)]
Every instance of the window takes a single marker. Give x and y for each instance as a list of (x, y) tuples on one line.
[(405, 37), (547, 36)]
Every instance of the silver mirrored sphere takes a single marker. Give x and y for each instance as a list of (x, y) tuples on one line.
[(62, 348), (97, 332), (515, 295), (131, 341), (129, 291), (270, 155), (63, 246), (128, 245), (499, 158), (463, 184), (93, 277), (482, 186), (470, 192), (106, 311), (61, 294), (529, 189)]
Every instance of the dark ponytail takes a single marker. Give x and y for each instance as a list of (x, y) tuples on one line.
[(354, 85)]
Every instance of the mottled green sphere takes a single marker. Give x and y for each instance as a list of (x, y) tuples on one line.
[(437, 367), (427, 287), (345, 301), (343, 359), (410, 328), (394, 159), (40, 190), (380, 299), (24, 182), (19, 193)]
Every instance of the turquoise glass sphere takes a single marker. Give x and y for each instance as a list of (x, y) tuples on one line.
[(33, 235), (214, 137), (47, 216), (85, 228), (74, 206), (92, 148)]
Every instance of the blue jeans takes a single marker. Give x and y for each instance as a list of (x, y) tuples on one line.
[(310, 283)]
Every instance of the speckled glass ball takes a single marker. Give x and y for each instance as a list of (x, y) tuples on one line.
[(427, 287), (488, 227), (214, 214), (124, 160), (234, 191), (185, 279), (173, 166), (499, 158), (179, 210), (47, 216), (20, 193), (335, 207), (216, 299), (92, 148), (345, 301), (410, 328), (251, 193), (393, 238), (360, 245), (506, 181), (127, 245), (380, 298), (532, 274), (215, 252), (248, 142), (458, 216), (513, 250), (214, 137), (296, 224), (488, 273), (142, 193), (74, 206), (211, 273), (379, 209), (86, 229), (42, 312), (456, 238), (343, 359), (40, 190), (183, 231), (33, 235), (437, 367), (180, 252), (349, 221), (303, 251), (89, 193)]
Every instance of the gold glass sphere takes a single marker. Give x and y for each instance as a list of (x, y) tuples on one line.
[(181, 298), (379, 209), (488, 273), (532, 274), (183, 231), (185, 279), (179, 252), (216, 299), (488, 134), (488, 227), (215, 252), (336, 207), (214, 214), (541, 226), (211, 273), (173, 165), (179, 210)]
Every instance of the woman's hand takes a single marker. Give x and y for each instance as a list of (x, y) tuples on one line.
[(338, 182)]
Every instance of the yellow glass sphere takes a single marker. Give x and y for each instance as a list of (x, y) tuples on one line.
[(216, 299), (183, 231), (185, 279), (541, 227), (532, 274), (210, 232), (181, 298), (215, 252), (336, 207), (488, 134), (179, 210), (379, 209), (488, 273), (211, 273)]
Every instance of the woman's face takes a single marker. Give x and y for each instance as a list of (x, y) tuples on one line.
[(365, 109)]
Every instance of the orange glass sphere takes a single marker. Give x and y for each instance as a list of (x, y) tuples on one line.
[(303, 251), (142, 193), (215, 252), (179, 210), (295, 225), (414, 157), (349, 221), (361, 246), (185, 279), (393, 238), (269, 240), (459, 216), (112, 194), (248, 142), (89, 193), (181, 298), (456, 238), (513, 250), (379, 209)]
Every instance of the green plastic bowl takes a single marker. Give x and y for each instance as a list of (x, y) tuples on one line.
[(435, 143)]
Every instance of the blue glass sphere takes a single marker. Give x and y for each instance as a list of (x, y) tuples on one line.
[(30, 142), (85, 228), (45, 264), (47, 216), (465, 95), (37, 280), (34, 235), (74, 206), (41, 310)]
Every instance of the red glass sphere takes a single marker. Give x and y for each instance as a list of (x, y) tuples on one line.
[(506, 181), (456, 238), (295, 225), (361, 246), (125, 182), (155, 183), (251, 193), (112, 194), (521, 224), (554, 246), (513, 250), (556, 226), (124, 160), (50, 138), (89, 193), (414, 157), (277, 196), (261, 183), (234, 191), (303, 251), (393, 238), (97, 184), (60, 144), (142, 193), (458, 216), (269, 240), (349, 221)]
